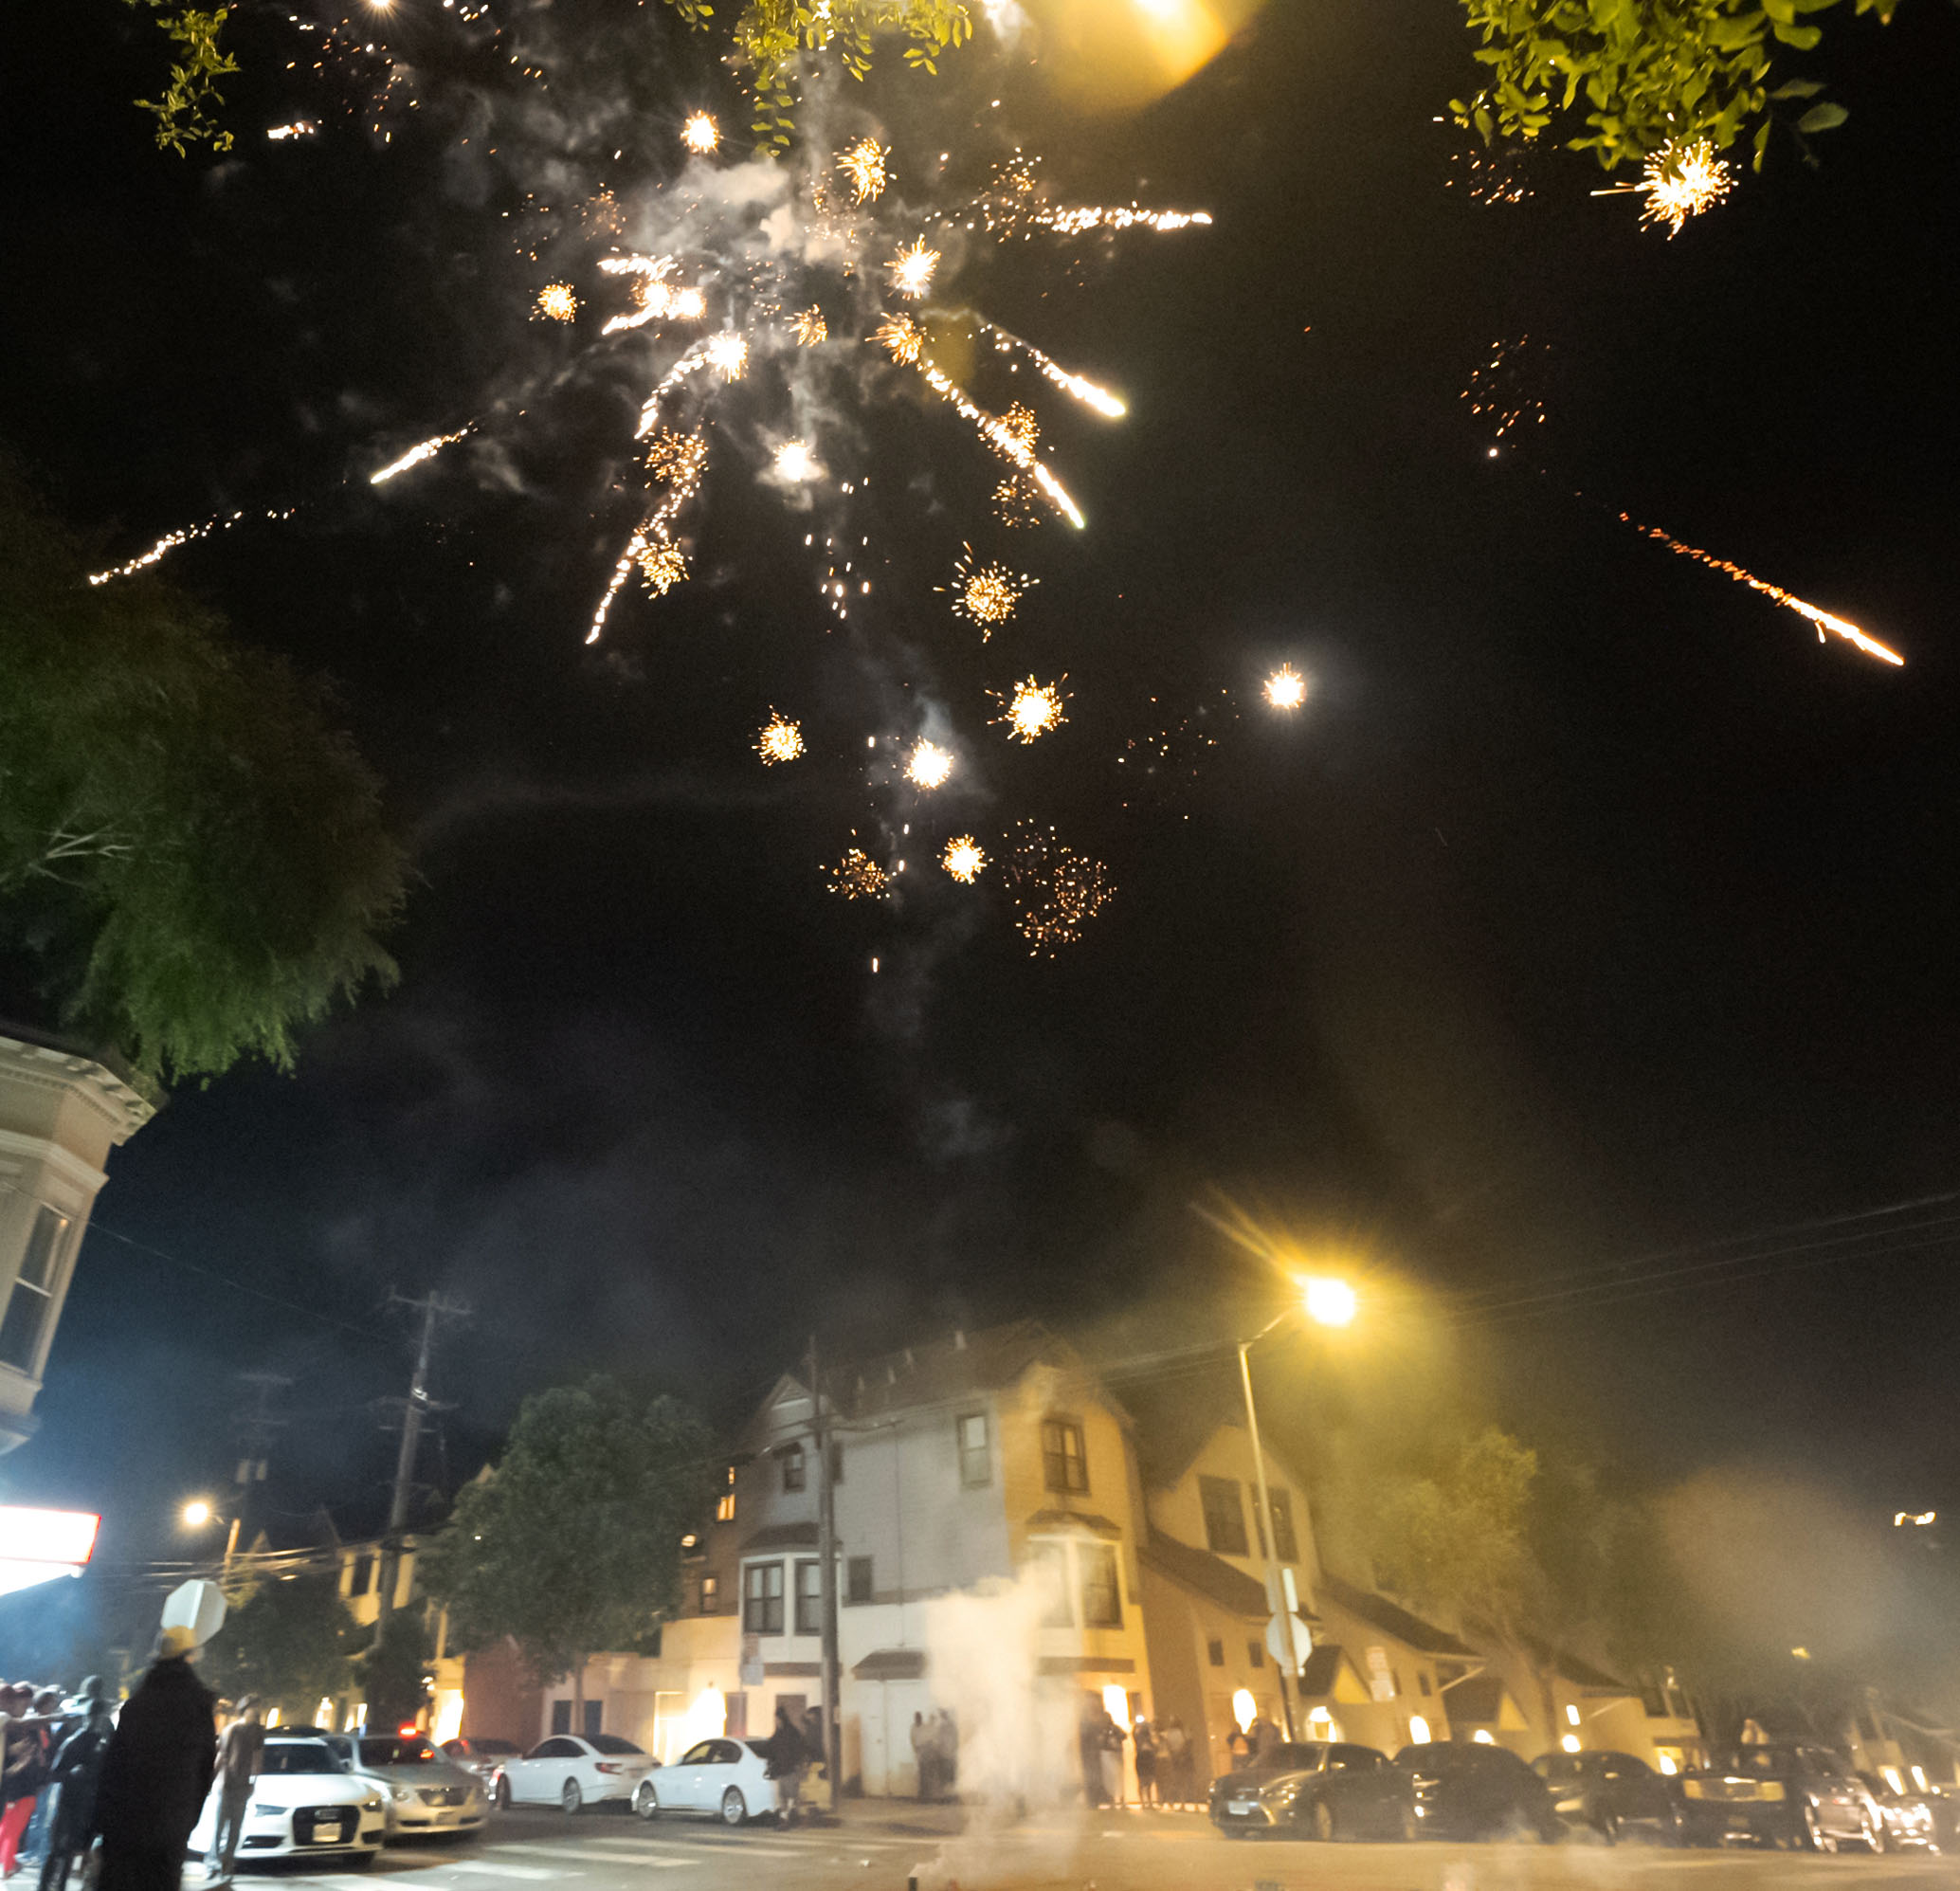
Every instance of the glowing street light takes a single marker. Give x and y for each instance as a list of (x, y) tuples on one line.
[(197, 1514), (1329, 1302)]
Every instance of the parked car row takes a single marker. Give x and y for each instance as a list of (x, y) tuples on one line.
[(1797, 1795)]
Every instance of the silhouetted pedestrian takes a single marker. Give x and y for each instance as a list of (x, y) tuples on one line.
[(156, 1772), (238, 1748), (71, 1784)]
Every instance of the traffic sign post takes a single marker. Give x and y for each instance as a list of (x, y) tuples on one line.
[(1289, 1643)]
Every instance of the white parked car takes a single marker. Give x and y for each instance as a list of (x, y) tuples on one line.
[(572, 1769), (304, 1804), (423, 1792), (725, 1779)]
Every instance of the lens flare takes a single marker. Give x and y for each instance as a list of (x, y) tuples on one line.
[(556, 303), (911, 269), (963, 859), (929, 765), (1033, 709), (1286, 688), (864, 165), (700, 135), (780, 740)]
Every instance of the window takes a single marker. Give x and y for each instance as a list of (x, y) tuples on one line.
[(1285, 1544), (1102, 1601), (561, 1723), (724, 1510), (762, 1599), (1423, 1682), (1256, 1653), (1063, 1465), (857, 1576), (594, 1714), (611, 1745), (1049, 1561), (809, 1599), (650, 1642), (33, 1291), (556, 1748), (1214, 1650), (1224, 1517), (792, 1468), (1654, 1701), (976, 1458), (711, 1595), (363, 1576)]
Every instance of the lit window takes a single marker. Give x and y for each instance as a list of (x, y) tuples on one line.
[(724, 1510), (711, 1594), (809, 1599), (1064, 1467), (762, 1599), (1224, 1517), (975, 1459), (792, 1468), (1102, 1602), (33, 1290)]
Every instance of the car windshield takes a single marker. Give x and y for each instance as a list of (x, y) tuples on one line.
[(611, 1743), (396, 1753), (299, 1757), (1766, 1762)]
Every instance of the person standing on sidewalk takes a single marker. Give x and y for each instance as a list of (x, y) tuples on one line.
[(23, 1767), (238, 1748), (156, 1772), (1146, 1739), (77, 1765)]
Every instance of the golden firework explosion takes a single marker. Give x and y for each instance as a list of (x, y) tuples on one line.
[(1033, 709), (796, 463), (864, 164), (556, 303), (1286, 688), (1057, 890), (664, 565), (857, 875), (911, 269), (928, 765), (1682, 181), (700, 135), (779, 739), (986, 594), (963, 859), (676, 459), (728, 354), (810, 326), (901, 337)]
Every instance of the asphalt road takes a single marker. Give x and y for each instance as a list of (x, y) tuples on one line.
[(879, 1849)]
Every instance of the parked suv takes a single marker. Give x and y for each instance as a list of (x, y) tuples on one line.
[(1790, 1794), (1478, 1792), (1611, 1794)]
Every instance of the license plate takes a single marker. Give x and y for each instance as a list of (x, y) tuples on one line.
[(1239, 1808), (1738, 1822), (329, 1831)]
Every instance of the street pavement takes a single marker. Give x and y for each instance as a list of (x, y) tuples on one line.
[(882, 1847)]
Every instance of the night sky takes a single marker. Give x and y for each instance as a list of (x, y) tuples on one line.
[(1590, 909)]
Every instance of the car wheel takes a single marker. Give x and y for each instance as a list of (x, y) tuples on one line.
[(1814, 1837), (1323, 1821), (503, 1795), (569, 1797), (645, 1803), (734, 1808), (1874, 1832)]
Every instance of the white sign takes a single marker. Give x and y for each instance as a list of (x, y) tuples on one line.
[(1290, 1649), (198, 1606)]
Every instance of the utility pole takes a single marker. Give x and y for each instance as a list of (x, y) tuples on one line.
[(433, 1307), (257, 1425), (827, 1586), (1264, 1521)]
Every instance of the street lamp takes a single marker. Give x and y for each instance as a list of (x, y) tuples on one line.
[(1327, 1301), (201, 1510), (197, 1514)]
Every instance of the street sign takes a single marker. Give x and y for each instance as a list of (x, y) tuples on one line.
[(1288, 1643)]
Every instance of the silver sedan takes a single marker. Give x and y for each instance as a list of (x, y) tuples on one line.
[(424, 1793)]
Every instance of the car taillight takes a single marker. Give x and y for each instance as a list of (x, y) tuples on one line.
[(609, 1766)]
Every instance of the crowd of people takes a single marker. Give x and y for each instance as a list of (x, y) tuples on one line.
[(1166, 1761), (52, 1754)]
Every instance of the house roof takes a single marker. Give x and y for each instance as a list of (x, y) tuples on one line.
[(1595, 1681), (1391, 1619), (1211, 1577), (1477, 1701), (942, 1370), (781, 1536)]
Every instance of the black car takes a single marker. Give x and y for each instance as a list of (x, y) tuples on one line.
[(1792, 1794), (1478, 1792), (1318, 1789), (1611, 1795)]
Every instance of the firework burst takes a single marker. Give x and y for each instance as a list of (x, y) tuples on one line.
[(700, 135), (911, 269), (1677, 182), (1032, 709), (986, 594), (901, 338), (1057, 890), (928, 766), (555, 302), (662, 565), (857, 875), (963, 859), (809, 327), (864, 166), (1286, 689), (780, 740)]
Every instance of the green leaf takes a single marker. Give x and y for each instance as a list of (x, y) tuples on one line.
[(1803, 38), (1798, 88), (1824, 118)]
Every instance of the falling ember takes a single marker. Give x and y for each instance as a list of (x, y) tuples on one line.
[(911, 269), (796, 463), (1004, 441), (780, 740), (427, 449), (864, 164), (1825, 620), (662, 565), (1057, 890), (963, 859), (700, 135), (1033, 710), (857, 875), (809, 327), (928, 765), (728, 354), (677, 459), (223, 522), (1286, 688), (299, 128), (556, 303), (986, 594), (901, 338)]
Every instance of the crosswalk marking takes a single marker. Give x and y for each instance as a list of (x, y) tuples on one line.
[(590, 1854), (494, 1870), (705, 1844)]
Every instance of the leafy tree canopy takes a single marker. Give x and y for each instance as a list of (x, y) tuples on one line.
[(572, 1545), (192, 856), (287, 1643), (186, 110), (391, 1671), (1648, 79)]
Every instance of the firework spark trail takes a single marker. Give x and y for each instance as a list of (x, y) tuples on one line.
[(1677, 183), (1005, 341), (1824, 620), (1004, 440), (857, 875), (1057, 890), (427, 449)]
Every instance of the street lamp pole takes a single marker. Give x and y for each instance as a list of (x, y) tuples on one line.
[(1264, 1520)]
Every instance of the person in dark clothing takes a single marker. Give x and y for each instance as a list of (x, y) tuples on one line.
[(785, 1763), (77, 1765), (813, 1742), (23, 1768), (156, 1772)]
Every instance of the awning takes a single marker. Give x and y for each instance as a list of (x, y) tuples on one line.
[(1074, 1519), (782, 1537), (891, 1664)]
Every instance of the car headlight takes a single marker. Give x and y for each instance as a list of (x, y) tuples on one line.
[(372, 1804), (265, 1809), (1572, 1805)]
